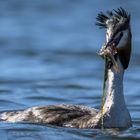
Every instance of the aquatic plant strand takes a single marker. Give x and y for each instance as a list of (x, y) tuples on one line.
[(103, 94)]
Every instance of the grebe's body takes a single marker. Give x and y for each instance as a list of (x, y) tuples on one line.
[(115, 113)]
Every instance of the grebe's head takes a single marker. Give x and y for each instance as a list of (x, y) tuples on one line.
[(118, 33)]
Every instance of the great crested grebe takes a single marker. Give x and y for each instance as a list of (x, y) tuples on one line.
[(116, 115)]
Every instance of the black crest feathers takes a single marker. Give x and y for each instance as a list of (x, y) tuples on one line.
[(116, 16)]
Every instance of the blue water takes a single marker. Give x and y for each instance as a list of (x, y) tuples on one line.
[(48, 56)]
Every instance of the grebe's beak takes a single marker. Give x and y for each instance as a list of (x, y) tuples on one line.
[(114, 41), (109, 50)]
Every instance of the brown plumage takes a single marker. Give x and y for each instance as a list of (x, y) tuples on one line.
[(61, 115)]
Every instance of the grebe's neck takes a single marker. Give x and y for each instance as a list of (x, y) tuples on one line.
[(116, 113)]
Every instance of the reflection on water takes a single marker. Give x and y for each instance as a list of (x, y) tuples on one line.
[(48, 56)]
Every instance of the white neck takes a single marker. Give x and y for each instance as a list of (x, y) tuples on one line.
[(116, 113)]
